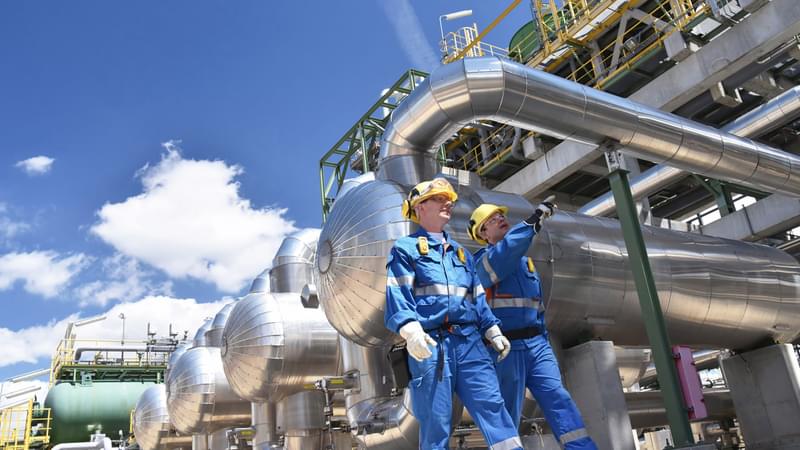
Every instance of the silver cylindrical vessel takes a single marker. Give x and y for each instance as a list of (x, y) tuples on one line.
[(379, 419), (714, 292), (151, 423), (180, 349), (273, 346), (200, 399), (214, 332), (292, 266), (200, 339), (264, 423), (301, 420)]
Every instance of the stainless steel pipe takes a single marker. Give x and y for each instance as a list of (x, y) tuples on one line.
[(715, 293), (504, 91), (763, 119)]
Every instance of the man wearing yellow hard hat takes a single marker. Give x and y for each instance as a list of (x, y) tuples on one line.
[(435, 301), (514, 293)]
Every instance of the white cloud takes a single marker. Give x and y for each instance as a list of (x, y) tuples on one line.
[(36, 344), (409, 33), (44, 273), (38, 165), (190, 221), (10, 228), (125, 281)]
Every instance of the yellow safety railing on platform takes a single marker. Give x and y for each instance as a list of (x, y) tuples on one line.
[(102, 353), (473, 160), (23, 427)]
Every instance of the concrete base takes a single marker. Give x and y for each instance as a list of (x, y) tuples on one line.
[(765, 387), (591, 376)]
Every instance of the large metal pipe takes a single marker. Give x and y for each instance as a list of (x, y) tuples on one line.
[(199, 397), (763, 119), (715, 293), (151, 423), (292, 266), (273, 346), (504, 91), (378, 417)]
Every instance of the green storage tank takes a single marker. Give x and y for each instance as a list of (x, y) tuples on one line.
[(78, 411), (525, 42)]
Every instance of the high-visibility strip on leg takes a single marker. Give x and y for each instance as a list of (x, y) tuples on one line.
[(492, 275), (573, 435), (509, 444)]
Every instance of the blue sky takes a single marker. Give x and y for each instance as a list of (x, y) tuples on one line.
[(153, 154)]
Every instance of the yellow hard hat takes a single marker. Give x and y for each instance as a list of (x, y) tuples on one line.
[(479, 217), (424, 191)]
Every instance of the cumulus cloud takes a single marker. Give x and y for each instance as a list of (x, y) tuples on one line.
[(125, 280), (36, 344), (190, 221), (38, 165), (44, 273), (409, 33)]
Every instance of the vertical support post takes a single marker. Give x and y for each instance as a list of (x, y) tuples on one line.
[(648, 301)]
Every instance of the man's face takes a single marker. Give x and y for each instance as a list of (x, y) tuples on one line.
[(434, 212), (495, 227)]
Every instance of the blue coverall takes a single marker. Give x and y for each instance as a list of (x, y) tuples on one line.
[(443, 293), (514, 294)]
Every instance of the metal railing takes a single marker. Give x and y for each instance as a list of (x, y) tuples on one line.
[(456, 42), (103, 353), (24, 426)]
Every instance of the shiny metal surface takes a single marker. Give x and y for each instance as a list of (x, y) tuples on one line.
[(180, 349), (261, 282), (646, 408), (200, 399), (765, 118), (377, 419), (272, 346), (151, 422), (200, 336), (214, 332), (264, 422), (302, 411), (632, 364), (714, 292), (507, 92), (292, 266)]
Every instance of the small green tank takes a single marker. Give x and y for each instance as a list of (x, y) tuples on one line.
[(78, 411)]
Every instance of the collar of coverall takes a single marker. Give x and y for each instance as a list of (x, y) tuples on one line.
[(433, 242)]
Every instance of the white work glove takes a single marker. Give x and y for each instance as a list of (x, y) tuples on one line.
[(547, 208), (542, 212), (499, 342), (417, 340)]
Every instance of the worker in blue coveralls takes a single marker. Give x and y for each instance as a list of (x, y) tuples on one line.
[(435, 301), (514, 293)]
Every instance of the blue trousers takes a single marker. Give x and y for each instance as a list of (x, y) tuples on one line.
[(467, 369), (537, 369)]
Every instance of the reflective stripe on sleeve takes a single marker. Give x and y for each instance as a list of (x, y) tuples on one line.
[(515, 302), (406, 280), (479, 290), (573, 435), (509, 444), (490, 271)]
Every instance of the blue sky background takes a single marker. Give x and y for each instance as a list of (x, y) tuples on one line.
[(143, 106)]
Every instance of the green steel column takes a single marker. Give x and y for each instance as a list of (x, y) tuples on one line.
[(648, 301)]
